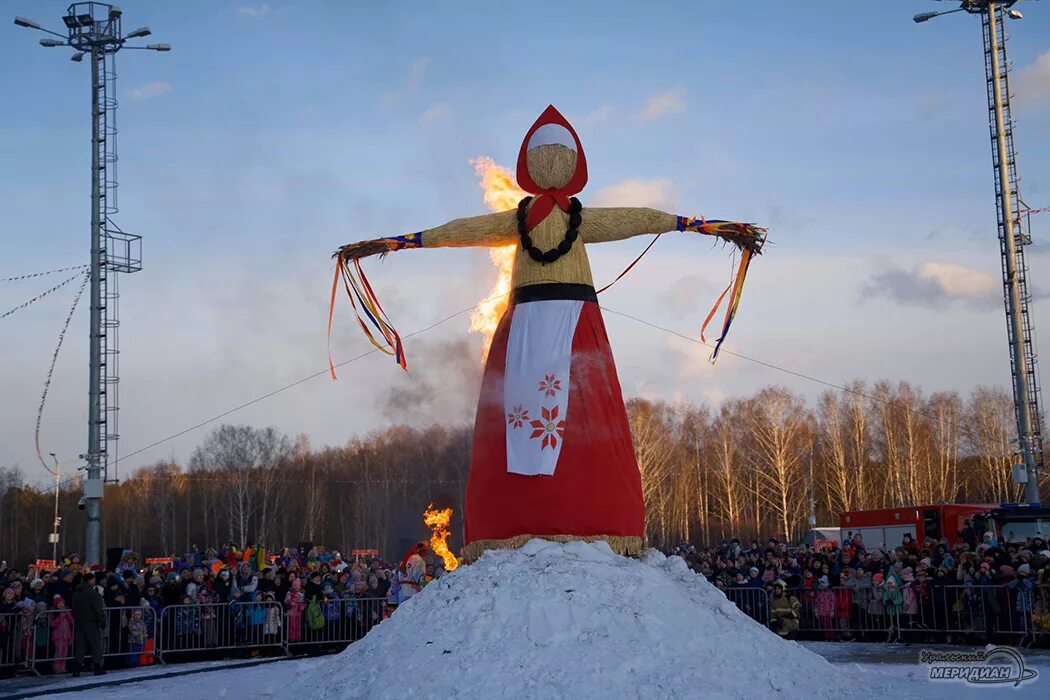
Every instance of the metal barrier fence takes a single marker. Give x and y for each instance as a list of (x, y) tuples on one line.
[(44, 641), (217, 627), (333, 622), (949, 610), (15, 651), (129, 636)]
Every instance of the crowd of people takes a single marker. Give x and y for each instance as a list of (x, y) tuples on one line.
[(252, 598), (215, 599), (977, 587)]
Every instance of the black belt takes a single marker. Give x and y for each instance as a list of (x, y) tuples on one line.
[(551, 291)]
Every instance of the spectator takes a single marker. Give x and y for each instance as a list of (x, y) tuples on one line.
[(295, 603), (89, 618), (61, 633), (137, 637), (786, 611)]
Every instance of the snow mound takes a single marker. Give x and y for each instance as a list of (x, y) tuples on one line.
[(576, 621)]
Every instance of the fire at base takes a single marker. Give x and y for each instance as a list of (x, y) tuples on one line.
[(437, 521)]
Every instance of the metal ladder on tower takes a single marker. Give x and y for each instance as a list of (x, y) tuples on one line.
[(109, 292), (1022, 232)]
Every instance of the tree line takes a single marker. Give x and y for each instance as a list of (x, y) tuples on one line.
[(748, 468)]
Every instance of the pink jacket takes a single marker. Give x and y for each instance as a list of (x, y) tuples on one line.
[(62, 626)]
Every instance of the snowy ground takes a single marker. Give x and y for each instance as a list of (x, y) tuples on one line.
[(897, 665)]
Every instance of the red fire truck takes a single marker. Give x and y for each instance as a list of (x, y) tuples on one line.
[(885, 528)]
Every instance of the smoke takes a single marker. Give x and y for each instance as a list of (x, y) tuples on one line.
[(441, 385)]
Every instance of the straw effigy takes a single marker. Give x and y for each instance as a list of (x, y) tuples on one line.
[(505, 509)]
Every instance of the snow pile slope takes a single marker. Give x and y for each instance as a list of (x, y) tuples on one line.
[(575, 621)]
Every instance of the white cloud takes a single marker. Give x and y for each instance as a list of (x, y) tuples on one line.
[(416, 75), (150, 90), (663, 105), (1032, 83), (260, 11), (659, 193), (434, 113), (937, 283), (598, 116)]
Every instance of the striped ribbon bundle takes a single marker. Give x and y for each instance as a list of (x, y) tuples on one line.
[(357, 287), (749, 239)]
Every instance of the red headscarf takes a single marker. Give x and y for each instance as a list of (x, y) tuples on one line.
[(545, 199), (417, 548)]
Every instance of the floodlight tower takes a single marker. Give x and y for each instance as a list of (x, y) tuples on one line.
[(1014, 235), (94, 31)]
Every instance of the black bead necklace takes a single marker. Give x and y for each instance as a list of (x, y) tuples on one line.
[(571, 234)]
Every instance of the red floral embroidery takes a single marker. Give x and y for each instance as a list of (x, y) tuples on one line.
[(550, 428), (517, 417), (550, 385)]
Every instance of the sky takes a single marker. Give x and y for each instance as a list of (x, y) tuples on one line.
[(274, 132)]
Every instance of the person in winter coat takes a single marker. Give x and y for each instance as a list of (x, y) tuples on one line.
[(1024, 585), (37, 594), (8, 631), (89, 618), (255, 618), (844, 605), (210, 611), (137, 636), (312, 589), (412, 572), (910, 599), (195, 585), (245, 582), (272, 626), (187, 625), (786, 611), (295, 603), (824, 607), (61, 633), (393, 593), (967, 609), (876, 607), (41, 630), (893, 601), (333, 610), (152, 598), (222, 585)]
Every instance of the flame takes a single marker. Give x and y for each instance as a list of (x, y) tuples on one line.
[(437, 521), (501, 194)]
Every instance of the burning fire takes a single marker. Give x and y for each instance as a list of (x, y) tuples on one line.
[(501, 194), (437, 521)]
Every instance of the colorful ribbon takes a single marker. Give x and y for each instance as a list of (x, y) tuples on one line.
[(737, 287), (357, 286)]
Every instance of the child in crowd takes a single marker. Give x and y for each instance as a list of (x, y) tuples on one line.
[(61, 633), (137, 636)]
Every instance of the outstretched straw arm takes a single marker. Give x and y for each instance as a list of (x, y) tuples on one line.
[(489, 230), (603, 224)]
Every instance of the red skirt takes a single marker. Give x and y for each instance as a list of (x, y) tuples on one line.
[(596, 490)]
